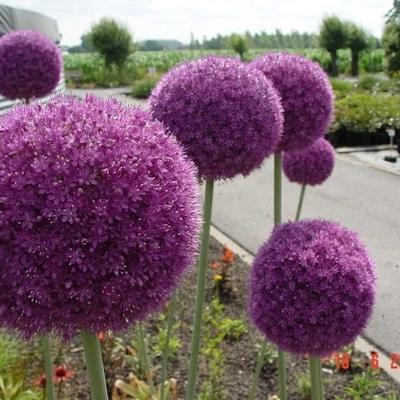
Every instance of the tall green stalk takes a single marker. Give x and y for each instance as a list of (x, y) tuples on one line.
[(281, 354), (166, 349), (200, 290), (48, 367), (317, 392), (257, 372), (94, 363), (301, 200), (277, 221), (144, 358)]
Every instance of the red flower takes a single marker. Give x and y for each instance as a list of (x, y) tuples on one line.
[(62, 373), (101, 336), (41, 381), (228, 256)]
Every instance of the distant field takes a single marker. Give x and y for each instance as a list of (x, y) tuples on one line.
[(140, 62)]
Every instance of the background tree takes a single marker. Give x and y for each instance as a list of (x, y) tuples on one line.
[(357, 41), (239, 44), (394, 13), (333, 36), (112, 40), (391, 45)]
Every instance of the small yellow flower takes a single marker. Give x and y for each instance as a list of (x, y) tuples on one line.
[(218, 277)]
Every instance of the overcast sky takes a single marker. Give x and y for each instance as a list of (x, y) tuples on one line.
[(176, 19)]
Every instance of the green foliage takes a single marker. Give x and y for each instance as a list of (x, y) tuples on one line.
[(217, 328), (13, 361), (363, 386), (12, 388), (175, 342), (304, 387), (341, 87), (357, 39), (112, 40), (239, 44), (394, 13), (142, 88), (391, 44), (364, 113), (270, 353), (333, 34)]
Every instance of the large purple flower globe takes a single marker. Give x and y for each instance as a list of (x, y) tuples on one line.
[(30, 65), (310, 166), (306, 93), (312, 287), (228, 118), (99, 216)]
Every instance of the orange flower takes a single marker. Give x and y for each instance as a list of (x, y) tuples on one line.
[(62, 373), (41, 381), (228, 256), (215, 265)]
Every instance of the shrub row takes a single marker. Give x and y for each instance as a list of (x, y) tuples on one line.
[(362, 119)]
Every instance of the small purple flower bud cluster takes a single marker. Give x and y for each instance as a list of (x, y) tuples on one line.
[(99, 216), (310, 166), (30, 65), (312, 287)]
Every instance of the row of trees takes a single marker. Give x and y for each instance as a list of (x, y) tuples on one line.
[(276, 40)]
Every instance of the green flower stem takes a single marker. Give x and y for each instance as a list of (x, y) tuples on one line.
[(165, 355), (257, 372), (48, 367), (200, 290), (277, 221), (301, 200), (317, 392), (144, 356), (94, 363)]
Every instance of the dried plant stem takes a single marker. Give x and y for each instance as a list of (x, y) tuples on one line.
[(48, 367), (94, 363), (301, 200), (200, 290)]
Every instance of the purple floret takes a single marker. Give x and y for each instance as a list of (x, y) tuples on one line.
[(312, 287), (310, 166), (306, 93), (99, 216), (228, 118), (30, 65)]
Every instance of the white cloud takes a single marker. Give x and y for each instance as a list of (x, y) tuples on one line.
[(178, 18)]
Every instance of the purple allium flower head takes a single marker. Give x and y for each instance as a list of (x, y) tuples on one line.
[(99, 216), (310, 166), (228, 118), (30, 65), (312, 287), (306, 93)]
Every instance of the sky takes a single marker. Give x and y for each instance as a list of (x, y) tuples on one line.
[(177, 19)]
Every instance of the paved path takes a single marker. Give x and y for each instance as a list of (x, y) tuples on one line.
[(357, 195)]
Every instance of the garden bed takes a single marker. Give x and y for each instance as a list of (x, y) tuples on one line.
[(228, 354)]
